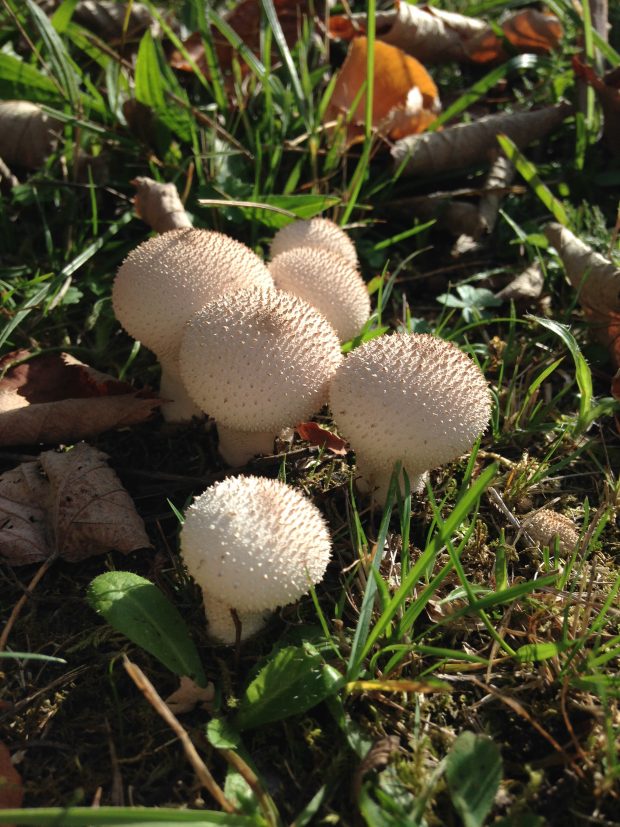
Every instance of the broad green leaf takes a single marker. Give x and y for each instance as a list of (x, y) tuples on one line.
[(297, 206), (136, 607), (21, 81), (222, 735), (119, 816), (473, 773), (296, 679), (65, 70)]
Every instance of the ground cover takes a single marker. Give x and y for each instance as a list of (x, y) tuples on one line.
[(451, 667)]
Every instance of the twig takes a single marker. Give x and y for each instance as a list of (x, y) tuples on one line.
[(201, 770), (22, 601), (265, 802)]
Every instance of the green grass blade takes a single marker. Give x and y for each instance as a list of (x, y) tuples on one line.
[(280, 39), (119, 816), (65, 70)]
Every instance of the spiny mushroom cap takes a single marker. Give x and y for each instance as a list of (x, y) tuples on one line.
[(409, 397), (314, 232), (257, 360), (545, 525), (255, 543), (169, 277), (326, 281)]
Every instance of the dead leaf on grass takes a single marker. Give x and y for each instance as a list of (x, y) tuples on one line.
[(11, 789), (467, 144), (189, 695), (437, 36), (71, 504), (315, 435), (526, 286), (159, 205), (405, 98), (55, 398), (27, 133)]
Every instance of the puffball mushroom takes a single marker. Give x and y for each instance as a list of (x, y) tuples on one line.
[(252, 544), (412, 398), (326, 281), (257, 360), (168, 278), (545, 525), (314, 232)]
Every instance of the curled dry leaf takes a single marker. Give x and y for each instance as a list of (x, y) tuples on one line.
[(405, 98), (527, 285), (608, 92), (473, 143), (71, 504), (437, 36), (315, 435), (55, 398), (189, 695), (27, 134), (159, 205), (11, 789), (597, 280)]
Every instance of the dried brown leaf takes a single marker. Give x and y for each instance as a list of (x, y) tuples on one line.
[(608, 92), (27, 134), (71, 504), (437, 36), (189, 695), (595, 277), (315, 435), (473, 143), (159, 205), (11, 789), (405, 98), (527, 285), (55, 398)]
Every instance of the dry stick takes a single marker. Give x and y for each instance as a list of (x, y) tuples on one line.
[(201, 770), (265, 802), (22, 600)]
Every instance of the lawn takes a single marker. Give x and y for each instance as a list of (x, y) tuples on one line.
[(457, 663)]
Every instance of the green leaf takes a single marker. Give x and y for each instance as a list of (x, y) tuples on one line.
[(21, 81), (118, 816), (136, 607), (473, 773), (542, 651), (65, 70), (296, 679), (222, 735), (297, 206)]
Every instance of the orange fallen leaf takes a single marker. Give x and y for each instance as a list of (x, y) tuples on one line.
[(608, 92), (315, 435), (463, 145), (405, 98), (55, 398), (159, 205), (11, 790), (529, 31), (68, 503)]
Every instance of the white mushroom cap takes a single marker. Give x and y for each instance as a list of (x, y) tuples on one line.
[(314, 232), (258, 360), (412, 398), (326, 281), (169, 277), (545, 525), (252, 544)]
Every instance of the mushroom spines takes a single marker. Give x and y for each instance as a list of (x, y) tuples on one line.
[(314, 232), (255, 543), (259, 359), (327, 281), (168, 277), (410, 397)]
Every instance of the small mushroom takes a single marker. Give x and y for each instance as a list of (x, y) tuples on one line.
[(257, 361), (168, 278), (314, 232), (412, 398), (252, 544), (545, 525), (326, 281)]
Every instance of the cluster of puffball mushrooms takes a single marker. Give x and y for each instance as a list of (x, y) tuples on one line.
[(258, 347)]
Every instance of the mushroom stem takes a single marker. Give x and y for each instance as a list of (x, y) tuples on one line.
[(238, 447), (221, 625), (376, 481), (178, 405)]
